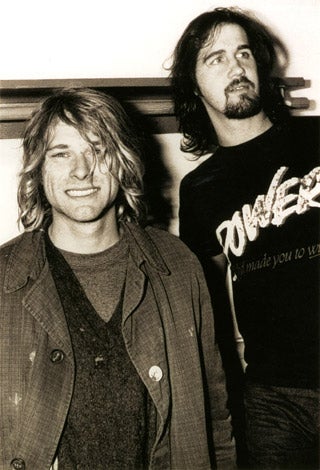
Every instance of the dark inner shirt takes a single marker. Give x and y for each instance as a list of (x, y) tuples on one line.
[(111, 421)]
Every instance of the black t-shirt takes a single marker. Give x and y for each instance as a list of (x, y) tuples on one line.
[(258, 202)]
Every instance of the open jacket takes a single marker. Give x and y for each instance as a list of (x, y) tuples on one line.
[(167, 325)]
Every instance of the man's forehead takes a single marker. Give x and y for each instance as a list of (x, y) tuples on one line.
[(62, 131), (224, 35)]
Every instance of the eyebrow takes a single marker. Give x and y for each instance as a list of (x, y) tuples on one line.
[(58, 146), (221, 51), (95, 143)]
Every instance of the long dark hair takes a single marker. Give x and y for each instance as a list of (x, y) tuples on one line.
[(198, 133)]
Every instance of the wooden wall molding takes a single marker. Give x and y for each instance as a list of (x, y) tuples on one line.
[(150, 97)]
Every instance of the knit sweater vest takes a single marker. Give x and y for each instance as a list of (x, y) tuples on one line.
[(111, 422)]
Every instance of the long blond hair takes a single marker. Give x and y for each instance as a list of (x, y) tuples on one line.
[(87, 110)]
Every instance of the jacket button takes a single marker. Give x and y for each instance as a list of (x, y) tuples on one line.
[(56, 356), (155, 373), (18, 464)]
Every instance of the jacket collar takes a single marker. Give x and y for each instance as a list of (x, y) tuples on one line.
[(28, 256), (143, 248)]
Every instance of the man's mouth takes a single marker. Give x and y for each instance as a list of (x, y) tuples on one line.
[(239, 86), (81, 192)]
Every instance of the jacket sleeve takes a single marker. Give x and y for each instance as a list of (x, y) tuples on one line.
[(223, 440)]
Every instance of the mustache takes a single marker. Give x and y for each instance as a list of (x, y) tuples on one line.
[(239, 81)]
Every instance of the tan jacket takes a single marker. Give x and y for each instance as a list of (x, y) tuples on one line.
[(169, 335)]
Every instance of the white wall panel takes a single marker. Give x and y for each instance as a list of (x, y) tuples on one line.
[(124, 38)]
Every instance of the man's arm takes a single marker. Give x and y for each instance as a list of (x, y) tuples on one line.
[(221, 266), (231, 348), (221, 263), (195, 231)]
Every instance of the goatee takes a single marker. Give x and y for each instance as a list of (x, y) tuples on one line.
[(247, 106), (248, 103)]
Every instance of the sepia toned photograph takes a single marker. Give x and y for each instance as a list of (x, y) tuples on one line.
[(160, 235)]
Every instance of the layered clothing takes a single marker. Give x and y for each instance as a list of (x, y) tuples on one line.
[(168, 330)]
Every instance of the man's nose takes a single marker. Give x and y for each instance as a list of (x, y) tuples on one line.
[(82, 166), (236, 69)]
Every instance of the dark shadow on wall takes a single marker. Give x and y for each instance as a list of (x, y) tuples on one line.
[(157, 179), (157, 182)]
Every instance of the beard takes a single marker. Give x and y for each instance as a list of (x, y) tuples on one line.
[(248, 103), (245, 107)]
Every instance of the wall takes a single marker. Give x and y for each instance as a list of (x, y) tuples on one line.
[(124, 38), (10, 158), (82, 39)]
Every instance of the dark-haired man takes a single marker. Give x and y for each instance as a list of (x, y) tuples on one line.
[(254, 206)]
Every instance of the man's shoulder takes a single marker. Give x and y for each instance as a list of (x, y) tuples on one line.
[(303, 131), (161, 249), (169, 245), (304, 125), (8, 246), (23, 242), (161, 236), (299, 144), (6, 250), (198, 174)]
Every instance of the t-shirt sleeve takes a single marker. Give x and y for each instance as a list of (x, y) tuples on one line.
[(196, 219)]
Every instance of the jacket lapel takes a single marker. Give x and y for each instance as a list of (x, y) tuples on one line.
[(142, 250), (142, 318), (43, 302), (28, 264)]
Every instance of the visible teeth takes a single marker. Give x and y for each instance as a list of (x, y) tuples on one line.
[(81, 192)]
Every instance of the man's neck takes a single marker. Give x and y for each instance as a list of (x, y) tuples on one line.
[(232, 132), (84, 238)]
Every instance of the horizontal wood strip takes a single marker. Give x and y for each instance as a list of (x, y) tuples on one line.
[(152, 82), (23, 111)]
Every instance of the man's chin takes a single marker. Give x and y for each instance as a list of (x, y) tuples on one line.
[(244, 108)]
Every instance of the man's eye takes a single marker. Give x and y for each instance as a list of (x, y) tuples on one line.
[(215, 60), (243, 55)]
